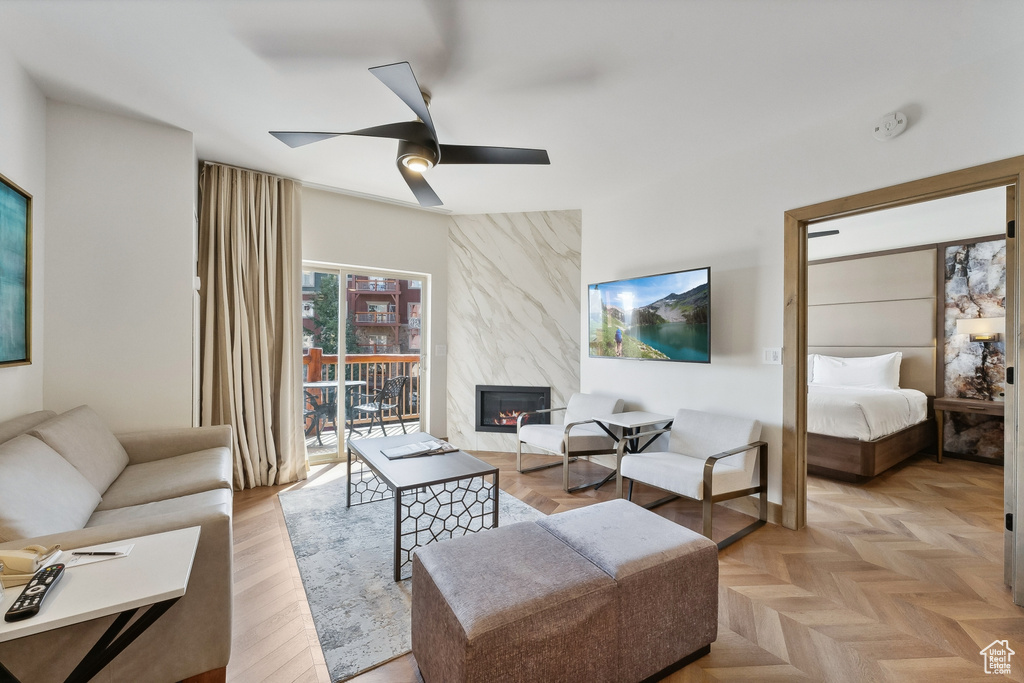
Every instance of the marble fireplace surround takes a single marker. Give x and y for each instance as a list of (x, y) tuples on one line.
[(514, 288)]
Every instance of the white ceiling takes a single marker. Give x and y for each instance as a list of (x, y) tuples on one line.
[(619, 92)]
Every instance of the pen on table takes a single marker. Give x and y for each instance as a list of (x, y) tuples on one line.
[(97, 552)]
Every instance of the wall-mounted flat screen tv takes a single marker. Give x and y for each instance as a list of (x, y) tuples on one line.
[(658, 317)]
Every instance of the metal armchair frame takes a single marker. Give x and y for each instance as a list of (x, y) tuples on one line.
[(566, 456), (708, 497)]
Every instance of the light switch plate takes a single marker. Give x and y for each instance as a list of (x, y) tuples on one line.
[(440, 350), (772, 356)]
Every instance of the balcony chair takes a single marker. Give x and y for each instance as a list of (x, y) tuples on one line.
[(318, 412), (386, 399), (710, 458), (577, 436)]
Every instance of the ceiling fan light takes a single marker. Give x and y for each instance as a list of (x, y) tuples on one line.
[(416, 163)]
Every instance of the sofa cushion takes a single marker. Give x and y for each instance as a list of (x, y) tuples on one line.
[(21, 424), (181, 475), (81, 437), (134, 513), (41, 492)]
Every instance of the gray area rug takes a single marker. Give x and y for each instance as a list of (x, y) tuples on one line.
[(362, 615)]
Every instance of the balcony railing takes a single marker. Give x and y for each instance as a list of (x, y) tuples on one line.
[(374, 285), (373, 369), (378, 349), (376, 318)]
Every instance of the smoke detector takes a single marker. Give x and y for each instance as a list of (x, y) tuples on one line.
[(890, 125)]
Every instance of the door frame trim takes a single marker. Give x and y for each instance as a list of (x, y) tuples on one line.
[(1008, 172)]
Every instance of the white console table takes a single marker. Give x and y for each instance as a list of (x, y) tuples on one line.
[(632, 422), (154, 574)]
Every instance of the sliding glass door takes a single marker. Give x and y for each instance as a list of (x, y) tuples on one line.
[(362, 356)]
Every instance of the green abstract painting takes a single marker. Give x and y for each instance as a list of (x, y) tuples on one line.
[(15, 274)]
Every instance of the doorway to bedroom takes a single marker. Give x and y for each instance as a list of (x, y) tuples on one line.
[(961, 367), (895, 365)]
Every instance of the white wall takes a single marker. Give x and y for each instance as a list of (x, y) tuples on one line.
[(119, 265), (23, 162), (342, 230), (729, 215)]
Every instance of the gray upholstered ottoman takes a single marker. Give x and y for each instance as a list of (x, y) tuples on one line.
[(609, 592), (512, 604), (667, 578)]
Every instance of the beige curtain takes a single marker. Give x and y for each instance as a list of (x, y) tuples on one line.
[(251, 321)]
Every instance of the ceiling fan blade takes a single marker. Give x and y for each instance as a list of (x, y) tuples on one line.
[(413, 131), (822, 233), (424, 195), (300, 138), (401, 80), (468, 154)]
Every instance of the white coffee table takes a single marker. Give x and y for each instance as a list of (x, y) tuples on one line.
[(155, 574)]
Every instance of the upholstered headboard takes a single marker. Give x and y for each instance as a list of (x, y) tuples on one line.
[(867, 306)]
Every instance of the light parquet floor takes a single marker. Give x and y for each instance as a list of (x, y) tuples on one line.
[(900, 579)]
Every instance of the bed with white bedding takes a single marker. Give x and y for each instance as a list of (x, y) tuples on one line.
[(859, 421), (863, 413)]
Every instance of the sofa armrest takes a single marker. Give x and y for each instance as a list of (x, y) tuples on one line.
[(166, 443), (199, 624)]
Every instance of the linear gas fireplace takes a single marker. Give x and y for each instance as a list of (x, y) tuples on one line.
[(498, 407)]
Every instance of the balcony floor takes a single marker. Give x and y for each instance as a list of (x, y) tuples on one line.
[(330, 451)]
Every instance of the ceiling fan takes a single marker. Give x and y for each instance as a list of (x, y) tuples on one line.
[(418, 148)]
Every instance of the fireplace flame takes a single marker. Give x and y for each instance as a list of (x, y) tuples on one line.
[(508, 418)]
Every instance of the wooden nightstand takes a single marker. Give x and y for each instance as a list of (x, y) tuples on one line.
[(963, 405)]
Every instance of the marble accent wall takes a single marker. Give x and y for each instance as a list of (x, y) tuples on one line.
[(513, 312), (975, 288)]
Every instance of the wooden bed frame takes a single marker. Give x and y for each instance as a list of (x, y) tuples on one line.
[(858, 461)]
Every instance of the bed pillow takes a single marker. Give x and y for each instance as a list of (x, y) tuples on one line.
[(872, 372), (811, 357)]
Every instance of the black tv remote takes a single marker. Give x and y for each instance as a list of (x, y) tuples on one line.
[(31, 598)]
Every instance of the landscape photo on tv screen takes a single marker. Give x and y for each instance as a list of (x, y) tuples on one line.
[(659, 317)]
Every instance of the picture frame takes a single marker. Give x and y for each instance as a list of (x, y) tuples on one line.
[(663, 317), (15, 274)]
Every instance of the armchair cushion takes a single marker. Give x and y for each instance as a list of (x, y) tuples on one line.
[(699, 434), (583, 407), (585, 437), (81, 437), (682, 474), (41, 492), (180, 475)]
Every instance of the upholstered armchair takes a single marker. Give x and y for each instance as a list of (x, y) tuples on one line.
[(578, 435), (710, 458)]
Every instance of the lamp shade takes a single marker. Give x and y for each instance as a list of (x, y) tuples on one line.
[(981, 329)]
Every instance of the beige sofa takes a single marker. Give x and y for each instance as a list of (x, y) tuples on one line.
[(67, 479)]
